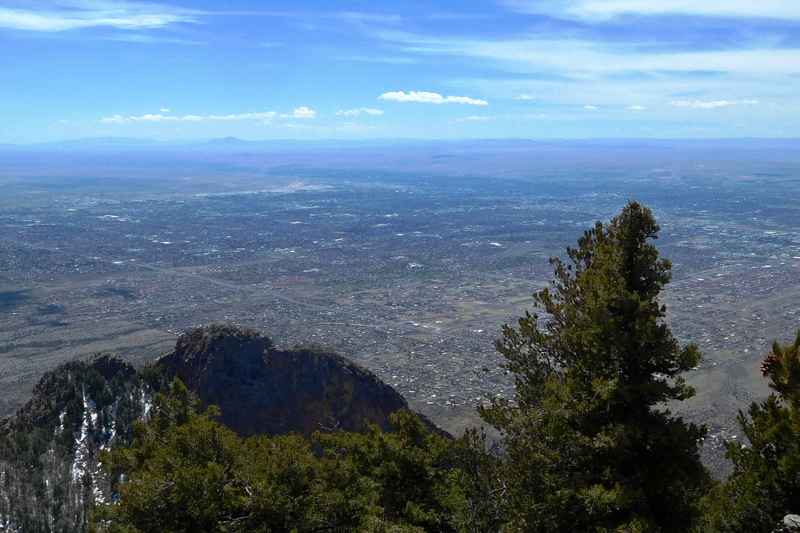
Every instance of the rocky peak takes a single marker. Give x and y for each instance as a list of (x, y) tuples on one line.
[(261, 389), (49, 466), (207, 354)]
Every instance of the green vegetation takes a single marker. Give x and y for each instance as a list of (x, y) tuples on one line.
[(589, 445), (588, 442), (765, 484), (186, 472)]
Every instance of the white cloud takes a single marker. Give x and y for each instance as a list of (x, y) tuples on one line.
[(158, 117), (475, 118), (605, 9), (591, 107), (424, 97), (303, 112), (711, 104), (390, 60), (525, 97), (364, 17), (77, 14), (139, 38), (359, 111), (561, 71), (585, 58), (353, 127), (636, 108), (654, 93)]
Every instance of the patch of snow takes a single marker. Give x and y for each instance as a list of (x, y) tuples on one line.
[(147, 404), (109, 436), (61, 418), (82, 451)]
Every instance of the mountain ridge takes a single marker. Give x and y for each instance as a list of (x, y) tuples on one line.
[(50, 470)]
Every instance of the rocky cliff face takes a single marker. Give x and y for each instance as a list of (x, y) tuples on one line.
[(49, 467), (261, 389)]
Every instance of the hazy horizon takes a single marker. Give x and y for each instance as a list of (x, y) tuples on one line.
[(134, 142)]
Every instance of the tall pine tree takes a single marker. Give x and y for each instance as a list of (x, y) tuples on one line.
[(590, 444)]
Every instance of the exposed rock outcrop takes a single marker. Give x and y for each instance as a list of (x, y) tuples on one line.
[(261, 389)]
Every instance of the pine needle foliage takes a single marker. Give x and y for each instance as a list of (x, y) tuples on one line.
[(186, 472), (765, 484), (590, 444)]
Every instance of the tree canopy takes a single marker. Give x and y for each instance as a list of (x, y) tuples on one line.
[(590, 445), (765, 484), (185, 472)]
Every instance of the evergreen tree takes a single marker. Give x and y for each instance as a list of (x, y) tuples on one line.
[(419, 477), (185, 472), (590, 444), (765, 484)]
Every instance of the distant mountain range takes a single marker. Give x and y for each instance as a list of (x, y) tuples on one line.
[(228, 143), (133, 143)]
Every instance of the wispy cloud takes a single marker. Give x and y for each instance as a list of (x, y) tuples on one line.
[(302, 112), (361, 16), (591, 107), (605, 9), (425, 97), (579, 58), (359, 111), (353, 17), (389, 60), (475, 118), (508, 117), (636, 108), (711, 104), (141, 38), (163, 117), (353, 127), (78, 14), (612, 72)]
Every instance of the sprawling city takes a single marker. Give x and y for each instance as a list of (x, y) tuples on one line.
[(412, 274)]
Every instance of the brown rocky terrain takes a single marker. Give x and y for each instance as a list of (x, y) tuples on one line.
[(261, 389)]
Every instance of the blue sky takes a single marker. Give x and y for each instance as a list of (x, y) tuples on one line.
[(179, 70)]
